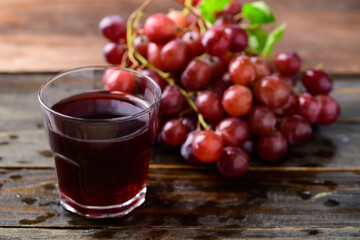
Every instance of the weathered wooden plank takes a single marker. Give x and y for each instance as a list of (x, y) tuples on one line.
[(51, 36), (181, 233), (18, 96), (197, 198), (58, 35)]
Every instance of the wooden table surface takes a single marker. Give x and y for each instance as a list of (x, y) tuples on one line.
[(313, 193)]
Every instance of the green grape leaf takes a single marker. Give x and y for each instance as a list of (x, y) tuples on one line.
[(257, 38), (272, 38), (258, 12), (208, 8)]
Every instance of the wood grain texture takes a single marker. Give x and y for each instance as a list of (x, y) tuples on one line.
[(196, 198), (37, 35), (313, 193), (181, 233)]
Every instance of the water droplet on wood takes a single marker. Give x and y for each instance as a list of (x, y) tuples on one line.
[(46, 153), (13, 136), (331, 203), (37, 220), (15, 177), (28, 200), (305, 195)]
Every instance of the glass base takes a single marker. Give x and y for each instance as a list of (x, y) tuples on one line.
[(111, 211)]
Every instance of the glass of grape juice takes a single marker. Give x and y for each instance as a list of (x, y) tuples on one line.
[(101, 140)]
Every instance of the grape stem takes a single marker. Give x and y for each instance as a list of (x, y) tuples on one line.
[(183, 112), (134, 20), (123, 59), (319, 66), (251, 52), (238, 16), (188, 5), (136, 57), (201, 26), (171, 82), (189, 28)]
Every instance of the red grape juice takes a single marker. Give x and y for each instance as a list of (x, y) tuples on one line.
[(97, 165)]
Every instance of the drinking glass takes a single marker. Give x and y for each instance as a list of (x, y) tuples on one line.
[(101, 162)]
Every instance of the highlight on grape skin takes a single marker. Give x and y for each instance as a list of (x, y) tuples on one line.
[(226, 97), (119, 80)]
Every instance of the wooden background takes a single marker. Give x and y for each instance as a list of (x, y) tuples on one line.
[(313, 193), (54, 35)]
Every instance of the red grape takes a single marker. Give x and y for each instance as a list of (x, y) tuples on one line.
[(288, 63), (225, 59), (189, 123), (221, 84), (262, 67), (233, 163), (209, 105), (309, 107), (193, 42), (193, 2), (140, 44), (163, 144), (197, 75), (217, 67), (113, 27), (118, 80), (288, 108), (233, 8), (172, 101), (179, 19), (329, 111), (237, 100), (272, 146), (290, 80), (233, 131), (261, 120), (207, 146), (316, 81), (296, 129), (238, 38), (173, 132), (159, 28), (272, 92), (113, 53), (216, 41), (174, 55), (242, 71), (250, 145), (193, 21), (153, 55), (224, 21), (155, 76), (186, 149)]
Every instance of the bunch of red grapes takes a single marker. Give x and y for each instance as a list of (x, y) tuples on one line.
[(222, 103)]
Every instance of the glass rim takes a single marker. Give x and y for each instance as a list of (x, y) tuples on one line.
[(99, 67)]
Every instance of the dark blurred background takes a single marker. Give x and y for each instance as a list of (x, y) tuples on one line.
[(53, 35)]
